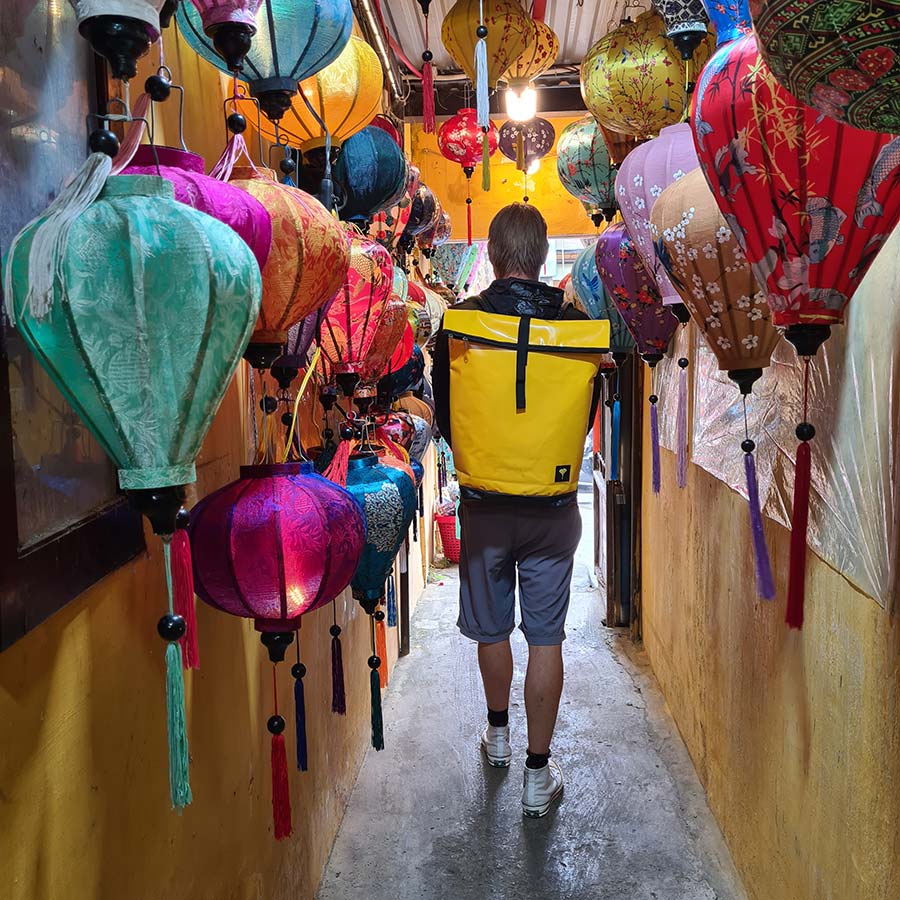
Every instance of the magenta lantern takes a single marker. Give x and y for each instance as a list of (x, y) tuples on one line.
[(223, 201)]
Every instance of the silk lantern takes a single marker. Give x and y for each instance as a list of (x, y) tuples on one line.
[(272, 546), (223, 201), (709, 268), (686, 24), (639, 304), (633, 80), (538, 56), (294, 39), (841, 58), (618, 145), (526, 142), (424, 213), (392, 342), (306, 265), (460, 141), (121, 31), (140, 323), (585, 169), (436, 236), (422, 438), (372, 170), (827, 190), (730, 18), (230, 25)]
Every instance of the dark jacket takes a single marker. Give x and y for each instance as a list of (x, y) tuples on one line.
[(505, 297)]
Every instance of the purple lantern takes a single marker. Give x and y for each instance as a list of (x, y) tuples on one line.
[(300, 338), (526, 142), (223, 201), (644, 174)]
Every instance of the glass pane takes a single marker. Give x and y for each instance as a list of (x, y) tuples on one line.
[(62, 476)]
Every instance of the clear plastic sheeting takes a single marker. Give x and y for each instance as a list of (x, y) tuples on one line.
[(667, 373), (853, 405)]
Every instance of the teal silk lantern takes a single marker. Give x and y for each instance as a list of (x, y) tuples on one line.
[(585, 169), (597, 303), (373, 173), (139, 307)]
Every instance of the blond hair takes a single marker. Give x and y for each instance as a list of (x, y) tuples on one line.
[(517, 241)]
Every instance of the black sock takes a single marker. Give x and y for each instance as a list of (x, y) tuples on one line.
[(498, 718), (537, 760)]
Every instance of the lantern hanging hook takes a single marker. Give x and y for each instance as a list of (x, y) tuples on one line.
[(239, 94)]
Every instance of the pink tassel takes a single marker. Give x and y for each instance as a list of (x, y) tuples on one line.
[(337, 471), (681, 425), (428, 117), (132, 141), (183, 597), (654, 441), (765, 586), (234, 149), (799, 523), (281, 795)]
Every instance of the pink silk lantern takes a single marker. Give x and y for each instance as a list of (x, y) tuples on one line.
[(223, 201), (220, 12), (644, 174), (387, 335), (403, 350)]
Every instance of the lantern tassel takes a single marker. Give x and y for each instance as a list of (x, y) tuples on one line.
[(377, 720), (234, 150), (485, 162), (614, 450), (176, 721), (338, 698), (654, 446), (681, 428), (48, 245), (281, 796), (337, 471), (183, 588), (428, 117), (381, 651), (799, 523), (468, 226), (133, 136), (765, 586), (482, 95), (300, 718), (520, 151), (391, 602)]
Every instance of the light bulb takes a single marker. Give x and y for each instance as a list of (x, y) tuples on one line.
[(533, 167), (521, 106)]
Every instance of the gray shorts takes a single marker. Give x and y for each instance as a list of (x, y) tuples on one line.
[(499, 540)]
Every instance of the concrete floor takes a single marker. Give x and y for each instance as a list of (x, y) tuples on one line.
[(428, 820)]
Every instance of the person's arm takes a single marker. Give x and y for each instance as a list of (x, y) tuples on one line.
[(440, 382)]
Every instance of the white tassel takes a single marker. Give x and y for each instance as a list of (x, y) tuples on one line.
[(482, 95), (48, 245)]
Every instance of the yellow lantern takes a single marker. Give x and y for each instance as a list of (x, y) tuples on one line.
[(509, 30), (634, 81), (346, 95), (538, 56)]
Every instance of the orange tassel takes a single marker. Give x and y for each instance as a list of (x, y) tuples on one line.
[(381, 652)]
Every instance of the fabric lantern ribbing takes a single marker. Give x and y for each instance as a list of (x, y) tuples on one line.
[(526, 142), (538, 56), (843, 59), (596, 302), (585, 169), (646, 172), (294, 39), (829, 190), (731, 19), (424, 214), (436, 236), (633, 79)]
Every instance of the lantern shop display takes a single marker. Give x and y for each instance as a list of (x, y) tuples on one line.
[(828, 193), (373, 174), (585, 169), (634, 81), (95, 289), (293, 40)]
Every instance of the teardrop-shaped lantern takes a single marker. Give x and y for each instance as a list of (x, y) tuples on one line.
[(424, 212), (842, 59), (538, 56), (634, 80), (585, 169), (436, 236)]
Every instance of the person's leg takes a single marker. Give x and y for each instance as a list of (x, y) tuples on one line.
[(496, 664), (543, 688)]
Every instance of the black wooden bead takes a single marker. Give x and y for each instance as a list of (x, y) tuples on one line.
[(183, 519), (427, 56), (287, 166), (481, 31), (374, 662), (748, 446), (236, 123), (328, 434), (275, 724), (379, 615), (170, 627), (286, 419), (268, 404), (346, 431), (805, 432), (298, 670), (335, 631), (683, 363), (468, 201), (103, 141), (654, 399), (616, 397), (158, 87)]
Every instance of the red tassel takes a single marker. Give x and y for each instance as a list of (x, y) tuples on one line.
[(428, 119), (337, 471), (381, 651), (799, 522), (281, 797), (183, 597)]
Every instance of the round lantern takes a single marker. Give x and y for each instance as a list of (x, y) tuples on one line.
[(306, 264), (372, 171), (225, 202), (842, 60), (526, 142), (509, 29), (537, 57), (436, 236), (709, 268), (294, 39), (827, 190), (300, 338), (585, 169), (389, 128), (596, 302), (422, 439), (686, 24), (398, 427), (424, 214), (646, 172), (392, 342), (139, 308), (618, 145), (409, 376), (634, 80), (730, 18), (119, 32)]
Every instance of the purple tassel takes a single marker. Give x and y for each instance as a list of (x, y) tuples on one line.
[(681, 428), (338, 698), (654, 439), (765, 586)]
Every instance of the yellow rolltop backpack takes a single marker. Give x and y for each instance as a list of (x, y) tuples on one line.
[(520, 398)]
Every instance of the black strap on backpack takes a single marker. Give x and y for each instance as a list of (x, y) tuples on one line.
[(522, 360)]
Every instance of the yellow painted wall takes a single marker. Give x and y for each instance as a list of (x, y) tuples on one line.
[(84, 808), (796, 736), (564, 214)]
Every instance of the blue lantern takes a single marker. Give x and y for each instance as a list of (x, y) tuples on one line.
[(409, 377), (373, 172), (596, 302), (731, 19), (294, 39)]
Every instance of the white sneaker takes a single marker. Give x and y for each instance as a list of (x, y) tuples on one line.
[(495, 743), (542, 786)]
